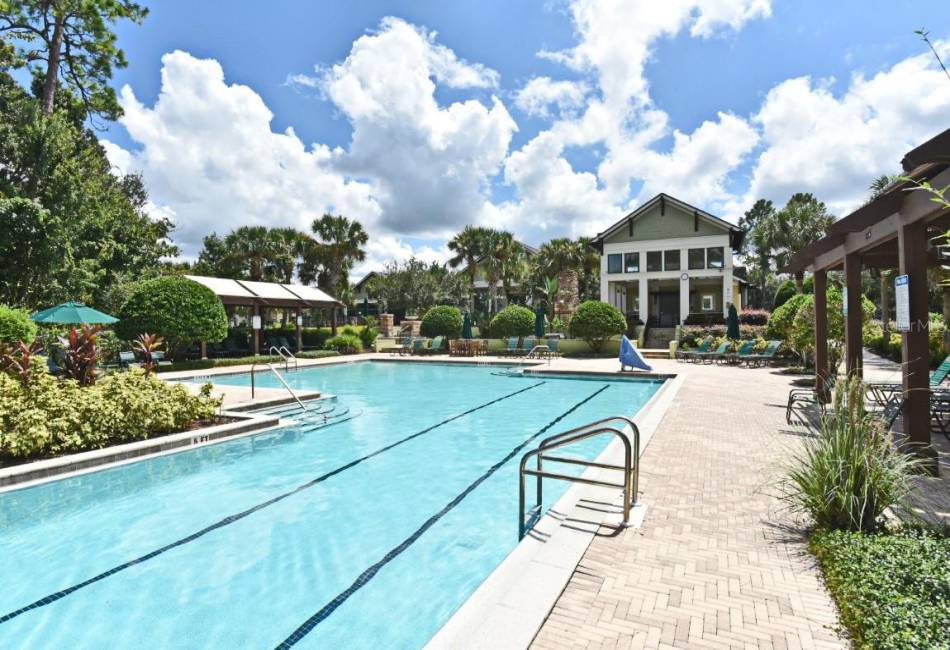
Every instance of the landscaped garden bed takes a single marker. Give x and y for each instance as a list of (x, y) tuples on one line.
[(892, 589)]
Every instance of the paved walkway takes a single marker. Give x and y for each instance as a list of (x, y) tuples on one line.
[(717, 563)]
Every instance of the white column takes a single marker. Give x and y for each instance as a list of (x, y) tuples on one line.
[(726, 291), (644, 299), (684, 297), (604, 288)]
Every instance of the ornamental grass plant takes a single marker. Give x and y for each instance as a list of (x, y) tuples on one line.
[(847, 476)]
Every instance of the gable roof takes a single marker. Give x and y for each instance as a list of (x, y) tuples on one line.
[(735, 233)]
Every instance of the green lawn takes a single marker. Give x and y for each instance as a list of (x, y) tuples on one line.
[(892, 589)]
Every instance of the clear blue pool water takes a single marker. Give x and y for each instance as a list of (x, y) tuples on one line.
[(366, 534)]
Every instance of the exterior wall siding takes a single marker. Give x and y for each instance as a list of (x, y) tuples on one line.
[(676, 223)]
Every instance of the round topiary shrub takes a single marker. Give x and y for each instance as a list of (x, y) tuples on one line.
[(513, 320), (596, 321), (179, 310), (16, 326), (443, 320), (345, 343)]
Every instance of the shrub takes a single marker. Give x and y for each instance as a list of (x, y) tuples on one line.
[(80, 354), (595, 322), (49, 417), (754, 316), (345, 343), (179, 310), (784, 292), (443, 321), (202, 364), (16, 326), (780, 324), (513, 320), (892, 590), (851, 472), (801, 335), (349, 330), (369, 332), (714, 318)]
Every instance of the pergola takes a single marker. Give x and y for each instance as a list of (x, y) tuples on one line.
[(894, 231), (268, 295)]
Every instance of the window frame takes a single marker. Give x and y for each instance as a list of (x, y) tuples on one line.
[(679, 265), (610, 258), (722, 258), (660, 258), (689, 260), (712, 302), (626, 266)]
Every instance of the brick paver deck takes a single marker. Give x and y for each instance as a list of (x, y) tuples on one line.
[(717, 563)]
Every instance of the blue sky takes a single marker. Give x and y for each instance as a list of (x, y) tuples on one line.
[(718, 106)]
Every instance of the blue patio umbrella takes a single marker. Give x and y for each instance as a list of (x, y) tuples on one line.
[(73, 313), (539, 322), (467, 326)]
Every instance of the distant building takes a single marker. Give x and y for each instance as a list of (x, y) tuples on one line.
[(364, 304), (667, 260)]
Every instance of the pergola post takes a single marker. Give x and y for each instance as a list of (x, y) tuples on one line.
[(912, 244), (333, 321), (204, 350), (821, 334), (256, 332), (853, 342), (298, 318)]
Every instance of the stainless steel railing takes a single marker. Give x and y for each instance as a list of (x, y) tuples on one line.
[(279, 378), (630, 467), (286, 356)]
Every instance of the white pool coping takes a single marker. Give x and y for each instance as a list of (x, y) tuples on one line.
[(509, 607)]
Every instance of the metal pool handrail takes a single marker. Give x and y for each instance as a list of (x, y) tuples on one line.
[(279, 378), (568, 438), (286, 355)]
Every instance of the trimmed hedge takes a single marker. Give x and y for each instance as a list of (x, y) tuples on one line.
[(179, 310), (16, 326), (443, 320), (204, 364), (596, 321), (754, 316), (705, 319), (892, 590), (513, 320), (345, 343)]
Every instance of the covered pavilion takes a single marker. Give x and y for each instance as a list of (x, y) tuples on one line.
[(268, 295), (901, 229)]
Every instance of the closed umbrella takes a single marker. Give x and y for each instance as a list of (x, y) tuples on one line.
[(73, 313), (732, 324), (467, 327), (539, 322)]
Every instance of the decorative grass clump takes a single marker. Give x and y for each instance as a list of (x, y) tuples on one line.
[(892, 590), (846, 477)]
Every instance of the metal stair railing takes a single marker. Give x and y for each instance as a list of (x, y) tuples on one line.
[(279, 378), (286, 356), (630, 467)]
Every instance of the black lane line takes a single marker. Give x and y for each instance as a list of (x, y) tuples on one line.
[(307, 626), (52, 598)]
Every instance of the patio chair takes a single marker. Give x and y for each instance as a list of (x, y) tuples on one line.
[(764, 357), (127, 360), (453, 347), (418, 346), (687, 355), (527, 346), (711, 356), (744, 351), (159, 358), (435, 346), (482, 348), (554, 347), (512, 348), (801, 397), (883, 392)]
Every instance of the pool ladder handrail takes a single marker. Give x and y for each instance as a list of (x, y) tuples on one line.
[(630, 467), (279, 378), (286, 356)]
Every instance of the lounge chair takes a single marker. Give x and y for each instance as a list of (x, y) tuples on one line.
[(711, 356), (159, 358), (884, 392), (435, 346), (687, 355), (127, 360), (744, 351), (764, 357), (512, 348), (554, 347), (800, 397), (418, 346)]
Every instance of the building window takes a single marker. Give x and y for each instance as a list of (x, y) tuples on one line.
[(714, 257), (655, 261), (707, 302), (631, 262), (697, 258), (614, 261), (671, 260)]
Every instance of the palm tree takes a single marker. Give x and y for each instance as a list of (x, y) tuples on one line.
[(492, 242), (549, 288), (559, 255), (469, 247), (510, 256), (249, 248), (285, 250), (803, 221), (328, 258)]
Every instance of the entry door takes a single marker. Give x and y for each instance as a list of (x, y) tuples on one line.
[(668, 309)]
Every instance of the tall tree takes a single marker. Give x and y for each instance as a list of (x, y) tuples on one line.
[(69, 43), (803, 221), (559, 254), (330, 256), (468, 247), (758, 222), (511, 259)]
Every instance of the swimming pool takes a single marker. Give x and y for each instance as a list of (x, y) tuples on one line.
[(367, 533)]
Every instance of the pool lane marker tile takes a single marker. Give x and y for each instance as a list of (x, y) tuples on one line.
[(307, 626), (230, 519)]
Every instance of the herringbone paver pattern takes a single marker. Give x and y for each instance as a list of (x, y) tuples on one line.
[(716, 563)]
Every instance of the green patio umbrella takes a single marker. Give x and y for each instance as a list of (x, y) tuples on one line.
[(467, 327), (732, 323), (73, 313), (539, 322)]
